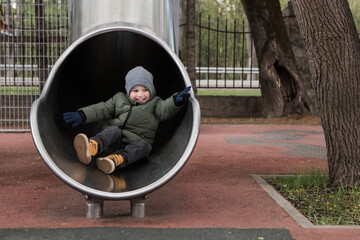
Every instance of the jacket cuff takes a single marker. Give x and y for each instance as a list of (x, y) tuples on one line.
[(82, 114), (178, 104)]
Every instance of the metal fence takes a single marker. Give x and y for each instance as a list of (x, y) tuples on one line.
[(225, 54), (33, 34)]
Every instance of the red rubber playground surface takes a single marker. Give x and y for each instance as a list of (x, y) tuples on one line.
[(215, 189)]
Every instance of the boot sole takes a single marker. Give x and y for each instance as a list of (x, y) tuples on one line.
[(81, 145), (106, 165)]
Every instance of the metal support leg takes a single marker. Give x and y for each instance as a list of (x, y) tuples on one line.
[(138, 206), (94, 207)]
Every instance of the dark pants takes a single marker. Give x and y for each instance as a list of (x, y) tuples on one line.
[(110, 142)]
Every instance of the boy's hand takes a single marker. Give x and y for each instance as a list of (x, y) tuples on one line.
[(73, 118), (182, 96)]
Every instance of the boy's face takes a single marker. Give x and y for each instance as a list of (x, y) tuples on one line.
[(140, 94)]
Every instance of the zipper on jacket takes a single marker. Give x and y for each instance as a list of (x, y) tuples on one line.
[(127, 117)]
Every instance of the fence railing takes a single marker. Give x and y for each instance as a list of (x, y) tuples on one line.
[(33, 35), (225, 55), (213, 77)]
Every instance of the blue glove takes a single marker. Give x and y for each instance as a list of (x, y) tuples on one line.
[(73, 118), (182, 96)]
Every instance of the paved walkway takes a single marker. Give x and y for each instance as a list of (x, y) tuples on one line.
[(213, 197)]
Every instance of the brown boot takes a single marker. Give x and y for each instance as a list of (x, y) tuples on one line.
[(85, 150), (110, 163)]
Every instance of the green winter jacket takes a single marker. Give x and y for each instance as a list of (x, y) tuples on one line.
[(143, 119)]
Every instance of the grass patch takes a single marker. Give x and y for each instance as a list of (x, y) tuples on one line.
[(229, 92), (5, 90), (310, 195)]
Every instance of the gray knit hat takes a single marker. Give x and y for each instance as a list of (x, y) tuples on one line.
[(139, 76)]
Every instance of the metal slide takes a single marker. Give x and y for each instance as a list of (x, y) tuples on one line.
[(108, 38)]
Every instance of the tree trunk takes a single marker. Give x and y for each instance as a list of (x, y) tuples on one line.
[(9, 52), (3, 26), (42, 60), (333, 48), (19, 56), (250, 50), (182, 20), (190, 43), (281, 85)]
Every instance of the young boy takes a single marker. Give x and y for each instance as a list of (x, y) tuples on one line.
[(131, 123)]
